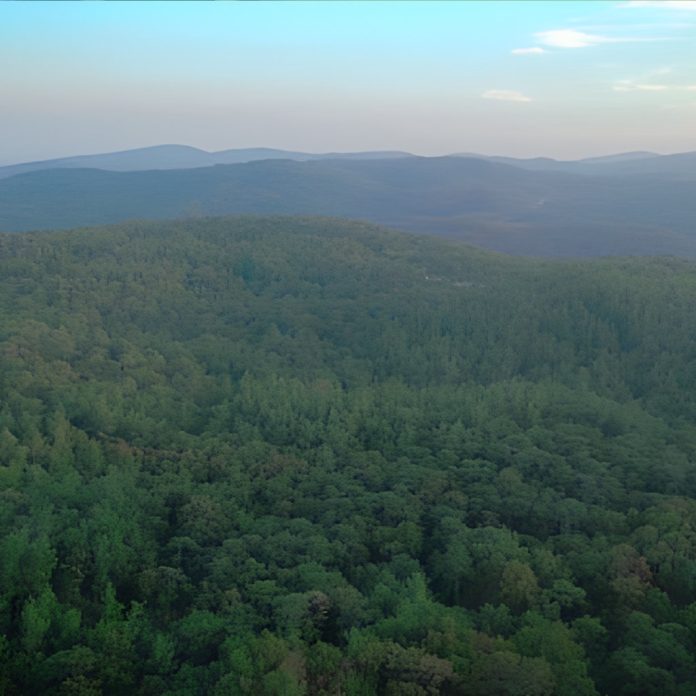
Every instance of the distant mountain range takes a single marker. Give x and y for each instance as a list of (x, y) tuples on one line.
[(181, 157), (630, 163), (636, 203), (185, 157), (544, 163)]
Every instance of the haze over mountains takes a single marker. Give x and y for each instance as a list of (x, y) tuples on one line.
[(633, 163), (182, 157), (633, 203), (187, 157)]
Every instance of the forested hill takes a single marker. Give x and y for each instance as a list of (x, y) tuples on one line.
[(306, 456), (490, 204)]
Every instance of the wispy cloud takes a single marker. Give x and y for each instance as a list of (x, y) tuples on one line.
[(631, 86), (572, 38), (683, 23), (533, 51), (628, 86), (506, 95), (661, 4)]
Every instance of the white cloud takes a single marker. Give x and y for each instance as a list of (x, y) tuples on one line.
[(505, 95), (535, 50), (572, 38), (662, 4)]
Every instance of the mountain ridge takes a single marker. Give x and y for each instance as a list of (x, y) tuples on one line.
[(490, 204), (173, 156)]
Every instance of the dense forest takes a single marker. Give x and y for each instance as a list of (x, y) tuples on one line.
[(286, 456)]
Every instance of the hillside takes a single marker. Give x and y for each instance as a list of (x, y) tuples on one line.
[(492, 205), (302, 456)]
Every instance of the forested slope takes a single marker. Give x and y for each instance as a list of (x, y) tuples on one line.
[(306, 456)]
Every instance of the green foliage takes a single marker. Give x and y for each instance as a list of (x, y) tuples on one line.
[(285, 456)]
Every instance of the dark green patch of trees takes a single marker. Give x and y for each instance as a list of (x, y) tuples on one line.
[(287, 456)]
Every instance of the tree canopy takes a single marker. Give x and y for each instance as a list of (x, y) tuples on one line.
[(310, 456)]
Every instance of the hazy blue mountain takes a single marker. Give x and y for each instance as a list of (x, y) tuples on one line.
[(621, 157), (181, 157), (681, 165), (157, 157), (185, 157), (539, 164), (486, 203), (640, 162)]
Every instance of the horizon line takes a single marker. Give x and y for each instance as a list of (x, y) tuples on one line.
[(340, 152)]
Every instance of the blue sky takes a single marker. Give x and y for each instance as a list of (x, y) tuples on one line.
[(562, 79)]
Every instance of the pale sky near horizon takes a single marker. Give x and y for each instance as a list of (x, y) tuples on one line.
[(558, 79)]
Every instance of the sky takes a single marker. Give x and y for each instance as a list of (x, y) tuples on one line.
[(524, 79)]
